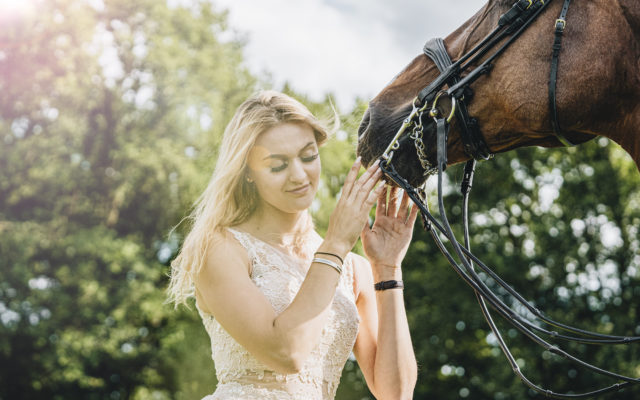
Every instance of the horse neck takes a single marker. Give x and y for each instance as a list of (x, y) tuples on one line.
[(623, 128)]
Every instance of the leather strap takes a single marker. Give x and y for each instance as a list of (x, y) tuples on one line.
[(472, 139), (384, 285), (561, 23), (516, 10), (435, 50), (442, 133)]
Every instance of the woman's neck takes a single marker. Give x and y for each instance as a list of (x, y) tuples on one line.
[(277, 227)]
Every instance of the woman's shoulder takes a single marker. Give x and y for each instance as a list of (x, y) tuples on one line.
[(224, 259), (226, 248)]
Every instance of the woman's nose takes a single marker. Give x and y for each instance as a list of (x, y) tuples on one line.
[(297, 172)]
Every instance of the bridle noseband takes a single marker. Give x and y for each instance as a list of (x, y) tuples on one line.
[(510, 27)]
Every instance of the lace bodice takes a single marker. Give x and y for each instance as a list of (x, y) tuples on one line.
[(279, 276)]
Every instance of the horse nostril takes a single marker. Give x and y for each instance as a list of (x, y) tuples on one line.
[(364, 124)]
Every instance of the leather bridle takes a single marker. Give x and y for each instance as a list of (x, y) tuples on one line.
[(510, 26)]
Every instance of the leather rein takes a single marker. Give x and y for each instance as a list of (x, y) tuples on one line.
[(510, 27)]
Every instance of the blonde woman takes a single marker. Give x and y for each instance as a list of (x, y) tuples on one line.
[(284, 307)]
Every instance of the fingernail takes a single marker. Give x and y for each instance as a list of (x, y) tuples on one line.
[(375, 164), (358, 159)]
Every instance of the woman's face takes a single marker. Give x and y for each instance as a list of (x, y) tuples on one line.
[(285, 167)]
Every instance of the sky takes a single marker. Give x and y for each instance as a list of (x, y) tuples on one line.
[(350, 48)]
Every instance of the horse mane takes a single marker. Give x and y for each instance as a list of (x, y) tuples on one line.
[(489, 12), (502, 3)]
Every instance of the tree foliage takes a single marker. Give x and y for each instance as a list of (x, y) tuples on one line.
[(561, 227), (110, 116)]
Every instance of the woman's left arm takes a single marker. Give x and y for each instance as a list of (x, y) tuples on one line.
[(383, 347)]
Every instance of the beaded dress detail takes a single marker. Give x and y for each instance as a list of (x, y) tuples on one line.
[(279, 277)]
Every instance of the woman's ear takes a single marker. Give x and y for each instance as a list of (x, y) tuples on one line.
[(247, 175)]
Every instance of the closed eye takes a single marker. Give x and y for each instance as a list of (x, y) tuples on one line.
[(285, 164), (280, 167), (309, 158)]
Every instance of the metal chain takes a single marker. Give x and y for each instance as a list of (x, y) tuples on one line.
[(416, 135)]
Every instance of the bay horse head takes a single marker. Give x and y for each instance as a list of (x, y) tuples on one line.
[(597, 93)]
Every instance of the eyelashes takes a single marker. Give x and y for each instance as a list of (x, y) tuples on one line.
[(310, 158), (286, 164)]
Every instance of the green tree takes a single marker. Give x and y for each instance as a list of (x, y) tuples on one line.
[(110, 114), (561, 227)]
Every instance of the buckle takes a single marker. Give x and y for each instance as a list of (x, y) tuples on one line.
[(561, 24)]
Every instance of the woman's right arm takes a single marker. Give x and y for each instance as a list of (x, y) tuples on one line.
[(284, 341)]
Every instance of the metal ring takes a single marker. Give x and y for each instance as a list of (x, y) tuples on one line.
[(454, 103), (434, 110)]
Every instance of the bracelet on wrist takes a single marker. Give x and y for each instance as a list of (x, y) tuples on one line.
[(330, 263), (384, 285), (330, 254)]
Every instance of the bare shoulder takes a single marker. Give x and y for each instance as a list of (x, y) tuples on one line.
[(225, 261), (224, 251)]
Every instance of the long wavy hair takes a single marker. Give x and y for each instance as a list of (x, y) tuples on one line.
[(229, 198)]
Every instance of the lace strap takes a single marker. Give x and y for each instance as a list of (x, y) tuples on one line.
[(246, 241)]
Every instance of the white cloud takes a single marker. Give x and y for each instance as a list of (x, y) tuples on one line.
[(347, 47)]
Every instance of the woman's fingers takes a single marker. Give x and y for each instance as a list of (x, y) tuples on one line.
[(392, 206), (369, 184), (381, 206), (351, 178), (373, 195), (412, 215), (370, 173), (363, 185), (404, 207)]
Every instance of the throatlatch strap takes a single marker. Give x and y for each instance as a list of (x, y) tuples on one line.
[(561, 23)]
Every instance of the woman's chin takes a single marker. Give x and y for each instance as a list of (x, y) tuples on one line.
[(302, 203)]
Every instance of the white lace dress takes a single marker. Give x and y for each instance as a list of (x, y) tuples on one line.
[(279, 276)]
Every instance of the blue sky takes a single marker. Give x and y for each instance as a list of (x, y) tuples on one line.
[(347, 47)]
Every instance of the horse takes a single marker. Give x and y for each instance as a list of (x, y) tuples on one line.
[(528, 79), (597, 93)]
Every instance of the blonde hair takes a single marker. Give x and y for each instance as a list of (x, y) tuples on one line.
[(229, 198)]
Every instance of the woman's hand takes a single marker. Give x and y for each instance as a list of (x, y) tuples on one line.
[(386, 243), (352, 209)]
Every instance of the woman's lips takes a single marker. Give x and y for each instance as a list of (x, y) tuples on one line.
[(300, 190)]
